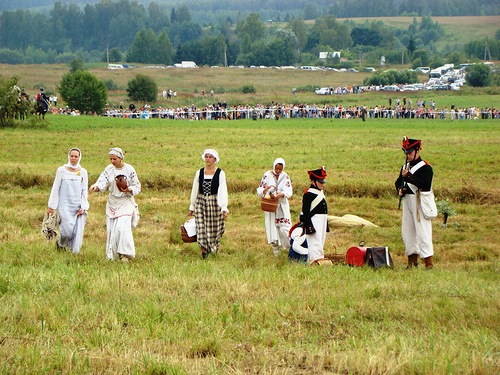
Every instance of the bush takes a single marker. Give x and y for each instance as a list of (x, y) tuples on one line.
[(391, 77), (110, 84), (248, 89), (142, 88), (478, 75), (416, 63), (83, 91)]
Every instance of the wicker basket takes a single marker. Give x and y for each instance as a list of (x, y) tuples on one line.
[(268, 205), (322, 262), (336, 258), (189, 223), (185, 237)]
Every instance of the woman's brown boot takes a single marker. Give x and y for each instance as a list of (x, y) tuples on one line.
[(204, 253), (428, 263)]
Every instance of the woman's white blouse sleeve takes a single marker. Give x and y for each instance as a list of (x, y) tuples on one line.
[(54, 193), (85, 190), (222, 196), (262, 185), (194, 190)]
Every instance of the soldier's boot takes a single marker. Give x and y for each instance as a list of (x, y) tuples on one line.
[(412, 261)]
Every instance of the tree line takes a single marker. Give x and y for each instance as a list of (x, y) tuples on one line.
[(211, 10), (127, 31)]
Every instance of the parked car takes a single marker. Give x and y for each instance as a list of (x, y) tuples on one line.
[(323, 91), (390, 88), (441, 87), (369, 69), (409, 88)]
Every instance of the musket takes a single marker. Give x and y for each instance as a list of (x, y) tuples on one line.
[(403, 181)]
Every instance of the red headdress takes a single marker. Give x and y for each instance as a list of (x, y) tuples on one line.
[(409, 145), (318, 174)]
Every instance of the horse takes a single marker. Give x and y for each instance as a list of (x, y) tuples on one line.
[(41, 107)]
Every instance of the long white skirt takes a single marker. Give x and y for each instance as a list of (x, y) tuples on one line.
[(120, 239), (71, 228), (276, 232)]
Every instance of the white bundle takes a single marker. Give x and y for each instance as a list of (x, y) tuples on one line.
[(50, 225)]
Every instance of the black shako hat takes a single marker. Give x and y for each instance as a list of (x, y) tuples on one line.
[(410, 145), (318, 175)]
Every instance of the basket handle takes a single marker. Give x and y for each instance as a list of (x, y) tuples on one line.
[(269, 191), (187, 218)]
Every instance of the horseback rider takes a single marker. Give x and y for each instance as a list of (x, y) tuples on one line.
[(41, 96), (42, 102)]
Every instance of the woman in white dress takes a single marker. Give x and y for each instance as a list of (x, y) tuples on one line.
[(69, 196), (278, 224), (120, 206)]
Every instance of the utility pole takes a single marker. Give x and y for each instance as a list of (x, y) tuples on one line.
[(486, 49)]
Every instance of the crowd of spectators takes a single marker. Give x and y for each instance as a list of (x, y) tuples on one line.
[(222, 111)]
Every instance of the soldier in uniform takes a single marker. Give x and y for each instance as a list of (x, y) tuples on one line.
[(416, 230), (315, 214)]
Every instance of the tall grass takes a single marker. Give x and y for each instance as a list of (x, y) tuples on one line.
[(246, 311)]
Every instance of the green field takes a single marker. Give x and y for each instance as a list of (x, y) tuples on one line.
[(245, 311)]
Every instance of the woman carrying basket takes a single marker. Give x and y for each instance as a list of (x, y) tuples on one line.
[(209, 200), (276, 184)]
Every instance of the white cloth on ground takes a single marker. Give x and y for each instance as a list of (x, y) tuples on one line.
[(349, 220)]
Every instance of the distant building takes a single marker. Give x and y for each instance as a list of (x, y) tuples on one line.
[(329, 55)]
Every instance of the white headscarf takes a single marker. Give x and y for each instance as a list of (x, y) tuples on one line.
[(118, 152), (211, 152), (71, 166), (279, 161)]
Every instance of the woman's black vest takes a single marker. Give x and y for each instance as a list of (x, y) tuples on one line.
[(214, 187)]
